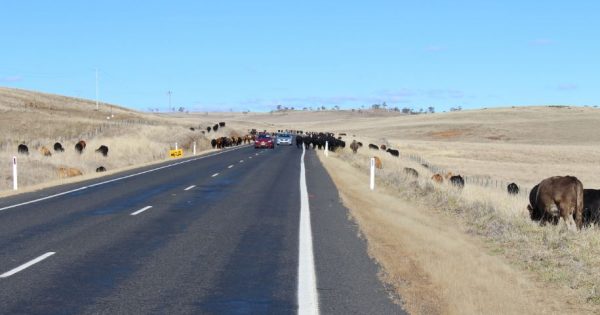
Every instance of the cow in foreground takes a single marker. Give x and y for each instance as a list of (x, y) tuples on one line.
[(557, 197)]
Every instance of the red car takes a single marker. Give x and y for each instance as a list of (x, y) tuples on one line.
[(264, 141)]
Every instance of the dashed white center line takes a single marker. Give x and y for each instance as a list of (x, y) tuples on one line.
[(230, 166), (215, 175), (249, 157), (141, 210), (26, 265), (241, 161), (190, 187), (256, 154)]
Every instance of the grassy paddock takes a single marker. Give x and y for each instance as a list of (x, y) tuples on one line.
[(552, 252)]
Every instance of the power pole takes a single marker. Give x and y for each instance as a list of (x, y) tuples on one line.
[(169, 93), (97, 108)]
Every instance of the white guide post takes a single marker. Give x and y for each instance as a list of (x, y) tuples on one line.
[(194, 148), (15, 173), (176, 146), (372, 179), (326, 148)]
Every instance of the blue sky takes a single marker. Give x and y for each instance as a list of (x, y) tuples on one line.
[(253, 55)]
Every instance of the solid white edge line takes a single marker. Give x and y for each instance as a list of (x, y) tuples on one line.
[(141, 210), (190, 187), (27, 265), (215, 175), (308, 300), (118, 179)]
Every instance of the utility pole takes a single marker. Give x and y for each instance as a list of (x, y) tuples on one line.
[(169, 93), (97, 107)]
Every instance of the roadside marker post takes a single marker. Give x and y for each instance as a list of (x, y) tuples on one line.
[(15, 173), (176, 148), (372, 179), (327, 148), (194, 148)]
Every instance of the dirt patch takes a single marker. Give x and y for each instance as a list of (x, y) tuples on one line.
[(434, 266), (447, 134)]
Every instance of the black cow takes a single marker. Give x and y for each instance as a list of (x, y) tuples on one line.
[(103, 150), (213, 143), (208, 129), (512, 189), (457, 181), (23, 149), (359, 144), (393, 152), (100, 169), (299, 141), (222, 124), (80, 146), (591, 207), (373, 147), (216, 127), (58, 147), (192, 129)]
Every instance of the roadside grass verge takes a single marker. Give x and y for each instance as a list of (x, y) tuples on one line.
[(552, 253)]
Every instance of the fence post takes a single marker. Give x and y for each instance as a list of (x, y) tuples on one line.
[(326, 148), (15, 173), (372, 178)]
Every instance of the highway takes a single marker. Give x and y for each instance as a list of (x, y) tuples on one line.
[(216, 234)]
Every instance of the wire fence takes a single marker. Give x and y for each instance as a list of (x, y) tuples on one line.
[(483, 181)]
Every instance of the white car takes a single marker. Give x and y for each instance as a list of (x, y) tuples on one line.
[(284, 139)]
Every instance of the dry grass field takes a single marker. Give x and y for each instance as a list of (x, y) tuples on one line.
[(445, 251)]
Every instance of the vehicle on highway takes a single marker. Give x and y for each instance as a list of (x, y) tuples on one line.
[(284, 138), (264, 141)]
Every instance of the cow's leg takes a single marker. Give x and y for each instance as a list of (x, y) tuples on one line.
[(568, 219)]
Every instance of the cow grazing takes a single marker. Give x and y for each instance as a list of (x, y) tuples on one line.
[(342, 134), (437, 178), (360, 144), (378, 163), (103, 150), (424, 165), (457, 181), (80, 146), (383, 147), (411, 172), (100, 169), (45, 152), (208, 129), (373, 147), (58, 147), (512, 189), (213, 143), (354, 146), (192, 129), (216, 127), (393, 152), (222, 124), (68, 172), (591, 207), (557, 197), (23, 149)]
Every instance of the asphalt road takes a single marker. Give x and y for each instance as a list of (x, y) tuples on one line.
[(211, 235)]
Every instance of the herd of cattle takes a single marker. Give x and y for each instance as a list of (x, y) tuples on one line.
[(79, 147), (552, 199)]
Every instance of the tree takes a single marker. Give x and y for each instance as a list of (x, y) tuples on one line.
[(406, 110), (181, 109), (278, 107), (431, 109), (323, 107), (375, 106), (384, 105)]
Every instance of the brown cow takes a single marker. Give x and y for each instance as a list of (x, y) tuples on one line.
[(378, 164), (383, 147), (45, 151), (437, 178), (354, 146), (68, 172), (80, 146), (557, 197)]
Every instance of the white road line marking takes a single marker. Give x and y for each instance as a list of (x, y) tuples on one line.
[(27, 265), (230, 166), (141, 210), (256, 154), (118, 179), (241, 161), (190, 187), (215, 175), (308, 299), (249, 157)]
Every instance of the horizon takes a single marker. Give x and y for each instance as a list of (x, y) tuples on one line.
[(222, 57)]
